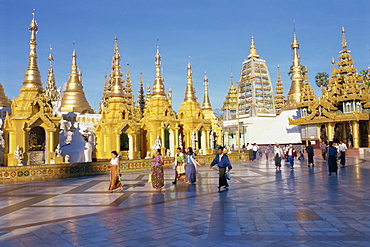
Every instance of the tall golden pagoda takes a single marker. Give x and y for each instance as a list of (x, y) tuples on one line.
[(195, 125), (31, 126), (119, 127), (343, 112), (279, 94), (73, 99), (159, 121), (294, 93)]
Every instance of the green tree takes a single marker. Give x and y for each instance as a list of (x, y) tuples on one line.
[(322, 79), (366, 75), (303, 71)]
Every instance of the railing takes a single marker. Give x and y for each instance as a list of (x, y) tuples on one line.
[(10, 174)]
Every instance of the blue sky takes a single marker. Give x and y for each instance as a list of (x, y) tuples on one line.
[(216, 34)]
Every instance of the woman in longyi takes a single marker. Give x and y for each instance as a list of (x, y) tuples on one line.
[(115, 176)]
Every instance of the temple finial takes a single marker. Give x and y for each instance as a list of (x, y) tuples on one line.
[(32, 78), (51, 89), (190, 91), (158, 87), (206, 101), (253, 51), (344, 40)]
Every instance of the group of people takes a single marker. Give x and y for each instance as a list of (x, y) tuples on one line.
[(287, 153), (185, 164)]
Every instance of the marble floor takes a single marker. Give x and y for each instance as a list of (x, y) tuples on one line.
[(263, 207)]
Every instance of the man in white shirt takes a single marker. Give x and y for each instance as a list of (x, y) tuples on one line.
[(342, 150)]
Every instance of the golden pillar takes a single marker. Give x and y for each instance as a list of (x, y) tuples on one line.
[(176, 141), (118, 143), (356, 134), (330, 127), (163, 147), (344, 131)]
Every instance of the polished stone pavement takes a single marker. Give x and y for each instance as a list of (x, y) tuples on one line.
[(263, 207)]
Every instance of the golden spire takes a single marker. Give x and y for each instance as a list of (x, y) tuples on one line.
[(148, 93), (117, 89), (158, 87), (344, 41), (51, 89), (297, 78), (279, 94), (32, 78), (206, 102), (169, 95), (190, 91), (141, 97), (333, 71), (128, 88), (231, 98), (253, 52), (74, 99)]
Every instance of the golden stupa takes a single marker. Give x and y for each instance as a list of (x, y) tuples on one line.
[(294, 93), (73, 99)]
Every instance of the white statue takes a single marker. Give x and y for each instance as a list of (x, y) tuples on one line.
[(212, 139), (180, 141), (58, 151), (193, 141), (157, 144), (88, 152), (148, 155), (168, 153), (2, 141), (66, 129), (18, 155)]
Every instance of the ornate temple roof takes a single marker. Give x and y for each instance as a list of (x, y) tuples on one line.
[(346, 97)]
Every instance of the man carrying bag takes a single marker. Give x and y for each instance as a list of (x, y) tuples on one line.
[(223, 163)]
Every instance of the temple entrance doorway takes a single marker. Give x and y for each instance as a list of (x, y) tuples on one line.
[(126, 145), (37, 145)]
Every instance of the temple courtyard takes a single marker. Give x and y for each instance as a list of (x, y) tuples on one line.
[(263, 207)]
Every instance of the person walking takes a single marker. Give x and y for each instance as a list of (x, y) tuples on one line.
[(291, 153), (255, 150), (323, 148), (310, 154), (115, 176), (279, 154), (223, 163), (342, 152), (178, 166), (332, 159), (190, 171), (157, 171), (267, 151)]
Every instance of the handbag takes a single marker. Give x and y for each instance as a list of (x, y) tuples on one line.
[(150, 180), (118, 178), (227, 175), (180, 169)]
